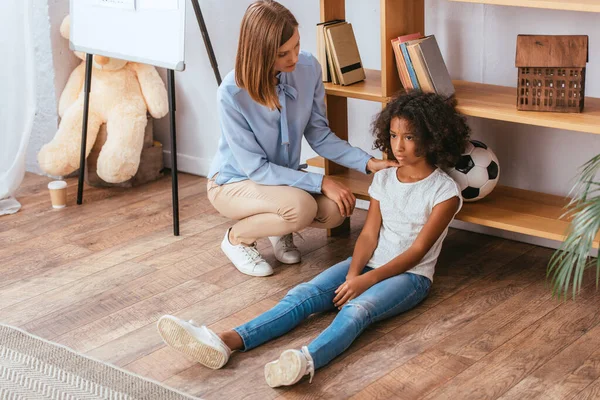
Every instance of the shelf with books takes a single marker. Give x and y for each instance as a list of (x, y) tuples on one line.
[(369, 89), (506, 208), (565, 5)]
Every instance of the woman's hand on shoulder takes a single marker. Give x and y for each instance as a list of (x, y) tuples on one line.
[(339, 193), (375, 164)]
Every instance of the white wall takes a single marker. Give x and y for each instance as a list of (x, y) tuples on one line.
[(46, 119), (63, 58), (54, 62)]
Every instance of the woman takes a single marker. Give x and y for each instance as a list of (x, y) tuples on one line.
[(273, 98)]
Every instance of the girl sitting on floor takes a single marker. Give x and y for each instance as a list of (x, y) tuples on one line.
[(392, 267)]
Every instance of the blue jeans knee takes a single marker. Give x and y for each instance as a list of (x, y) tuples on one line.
[(357, 313)]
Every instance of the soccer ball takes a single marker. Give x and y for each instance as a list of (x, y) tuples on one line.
[(477, 172)]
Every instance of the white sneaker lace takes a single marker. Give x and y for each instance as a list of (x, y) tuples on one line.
[(288, 241), (310, 364), (252, 254)]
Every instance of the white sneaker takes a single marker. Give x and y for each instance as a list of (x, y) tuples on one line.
[(284, 248), (290, 368), (246, 259), (197, 342)]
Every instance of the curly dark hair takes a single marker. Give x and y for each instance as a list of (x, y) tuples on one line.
[(441, 133)]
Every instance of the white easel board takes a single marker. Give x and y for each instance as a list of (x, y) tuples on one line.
[(145, 31)]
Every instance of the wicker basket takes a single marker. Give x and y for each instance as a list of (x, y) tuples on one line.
[(151, 160), (551, 72)]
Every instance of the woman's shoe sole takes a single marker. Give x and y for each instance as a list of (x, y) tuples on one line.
[(177, 337), (285, 371)]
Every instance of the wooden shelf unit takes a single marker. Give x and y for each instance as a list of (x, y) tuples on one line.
[(506, 208), (564, 5)]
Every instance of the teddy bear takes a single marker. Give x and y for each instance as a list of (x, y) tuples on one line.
[(121, 95)]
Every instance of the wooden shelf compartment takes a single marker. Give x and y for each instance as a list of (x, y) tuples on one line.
[(397, 17), (565, 5), (499, 102), (369, 89), (506, 208), (487, 101), (318, 162)]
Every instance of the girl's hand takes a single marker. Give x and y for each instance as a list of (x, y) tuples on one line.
[(352, 288), (376, 164)]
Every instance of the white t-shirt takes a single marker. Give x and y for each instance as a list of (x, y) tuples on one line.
[(405, 208)]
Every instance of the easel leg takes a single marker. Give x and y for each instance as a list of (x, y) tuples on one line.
[(89, 59), (207, 43), (174, 183)]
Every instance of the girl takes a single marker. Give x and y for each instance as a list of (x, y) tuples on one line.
[(274, 97), (393, 263)]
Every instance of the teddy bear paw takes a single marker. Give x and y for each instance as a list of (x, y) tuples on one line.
[(56, 161), (115, 172)]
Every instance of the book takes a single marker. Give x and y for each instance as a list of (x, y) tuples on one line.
[(409, 66), (404, 78), (346, 58), (400, 62), (333, 75), (418, 63), (435, 65), (322, 48)]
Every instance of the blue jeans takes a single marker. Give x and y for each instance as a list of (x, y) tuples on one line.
[(385, 299)]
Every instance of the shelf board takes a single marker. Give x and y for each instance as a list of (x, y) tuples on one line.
[(510, 209), (369, 89), (318, 162), (499, 102), (486, 101), (565, 5)]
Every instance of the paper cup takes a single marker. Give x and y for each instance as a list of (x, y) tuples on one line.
[(58, 193)]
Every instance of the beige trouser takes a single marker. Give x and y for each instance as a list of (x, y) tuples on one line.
[(271, 210)]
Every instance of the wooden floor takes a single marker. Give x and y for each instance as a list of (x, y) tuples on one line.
[(97, 277)]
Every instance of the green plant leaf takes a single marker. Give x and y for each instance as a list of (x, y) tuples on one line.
[(569, 262)]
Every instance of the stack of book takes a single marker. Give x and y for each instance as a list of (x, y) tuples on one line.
[(338, 54), (421, 65)]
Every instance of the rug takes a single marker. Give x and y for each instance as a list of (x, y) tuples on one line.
[(34, 368)]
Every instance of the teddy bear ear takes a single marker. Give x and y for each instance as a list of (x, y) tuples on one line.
[(65, 27)]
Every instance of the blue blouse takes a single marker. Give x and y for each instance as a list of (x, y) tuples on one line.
[(264, 145)]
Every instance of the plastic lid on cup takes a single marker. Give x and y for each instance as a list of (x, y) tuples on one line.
[(54, 185)]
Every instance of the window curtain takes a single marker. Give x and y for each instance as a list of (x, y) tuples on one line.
[(17, 97)]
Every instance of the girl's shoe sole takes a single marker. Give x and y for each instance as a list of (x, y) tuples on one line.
[(177, 337), (285, 371)]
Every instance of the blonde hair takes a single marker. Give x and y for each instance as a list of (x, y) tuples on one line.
[(266, 26)]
